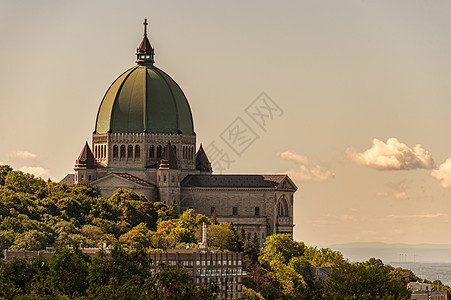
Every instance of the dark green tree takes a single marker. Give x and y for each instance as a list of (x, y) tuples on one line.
[(280, 248), (23, 182), (173, 211), (214, 218), (368, 280), (68, 270), (4, 169)]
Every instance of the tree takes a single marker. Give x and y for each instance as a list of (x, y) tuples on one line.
[(126, 275), (31, 240), (16, 276), (368, 280), (135, 239), (280, 248), (191, 220), (404, 276), (323, 257), (69, 270), (173, 211), (438, 285), (218, 236), (214, 218), (23, 182), (4, 169)]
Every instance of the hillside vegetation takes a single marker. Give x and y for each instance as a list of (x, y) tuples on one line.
[(35, 214)]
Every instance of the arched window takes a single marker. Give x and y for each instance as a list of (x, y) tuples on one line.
[(115, 151), (130, 151), (152, 151), (184, 152), (159, 151), (104, 151), (96, 154), (282, 207), (122, 151), (137, 152), (101, 151)]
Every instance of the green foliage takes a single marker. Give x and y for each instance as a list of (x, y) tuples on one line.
[(35, 214), (404, 276), (68, 270), (32, 240), (4, 170), (173, 211), (368, 280), (23, 182), (323, 257), (135, 239), (191, 220), (250, 294), (280, 248), (438, 285), (123, 274), (214, 218)]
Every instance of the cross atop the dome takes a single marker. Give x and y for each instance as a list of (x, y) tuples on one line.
[(145, 27), (145, 53)]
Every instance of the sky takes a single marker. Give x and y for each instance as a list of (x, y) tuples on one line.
[(350, 98)]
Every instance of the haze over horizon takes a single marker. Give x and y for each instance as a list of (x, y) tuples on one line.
[(362, 89)]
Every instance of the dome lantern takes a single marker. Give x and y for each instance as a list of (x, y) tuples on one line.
[(145, 53)]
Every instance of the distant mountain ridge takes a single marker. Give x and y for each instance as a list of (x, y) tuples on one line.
[(397, 252), (388, 245)]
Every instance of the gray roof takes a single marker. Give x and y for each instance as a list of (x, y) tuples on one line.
[(69, 179), (133, 178), (225, 181)]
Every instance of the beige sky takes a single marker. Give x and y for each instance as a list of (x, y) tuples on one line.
[(362, 89)]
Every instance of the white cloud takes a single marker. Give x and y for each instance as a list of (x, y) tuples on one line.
[(381, 194), (401, 195), (443, 173), (422, 216), (307, 170), (392, 155), (25, 155), (38, 172)]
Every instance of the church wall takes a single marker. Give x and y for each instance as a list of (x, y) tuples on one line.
[(110, 185), (245, 201)]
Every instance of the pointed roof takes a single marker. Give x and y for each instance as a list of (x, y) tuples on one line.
[(202, 162), (86, 158), (145, 53), (169, 157)]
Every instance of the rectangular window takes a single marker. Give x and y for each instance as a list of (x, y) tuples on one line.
[(257, 211), (234, 210)]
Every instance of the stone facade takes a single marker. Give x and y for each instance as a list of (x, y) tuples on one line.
[(261, 204)]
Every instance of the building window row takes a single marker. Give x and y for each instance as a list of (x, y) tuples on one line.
[(219, 272), (128, 152), (188, 152), (159, 151), (100, 151), (235, 210)]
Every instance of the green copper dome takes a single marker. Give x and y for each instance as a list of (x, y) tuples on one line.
[(144, 99)]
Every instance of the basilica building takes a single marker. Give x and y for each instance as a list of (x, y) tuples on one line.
[(144, 140)]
